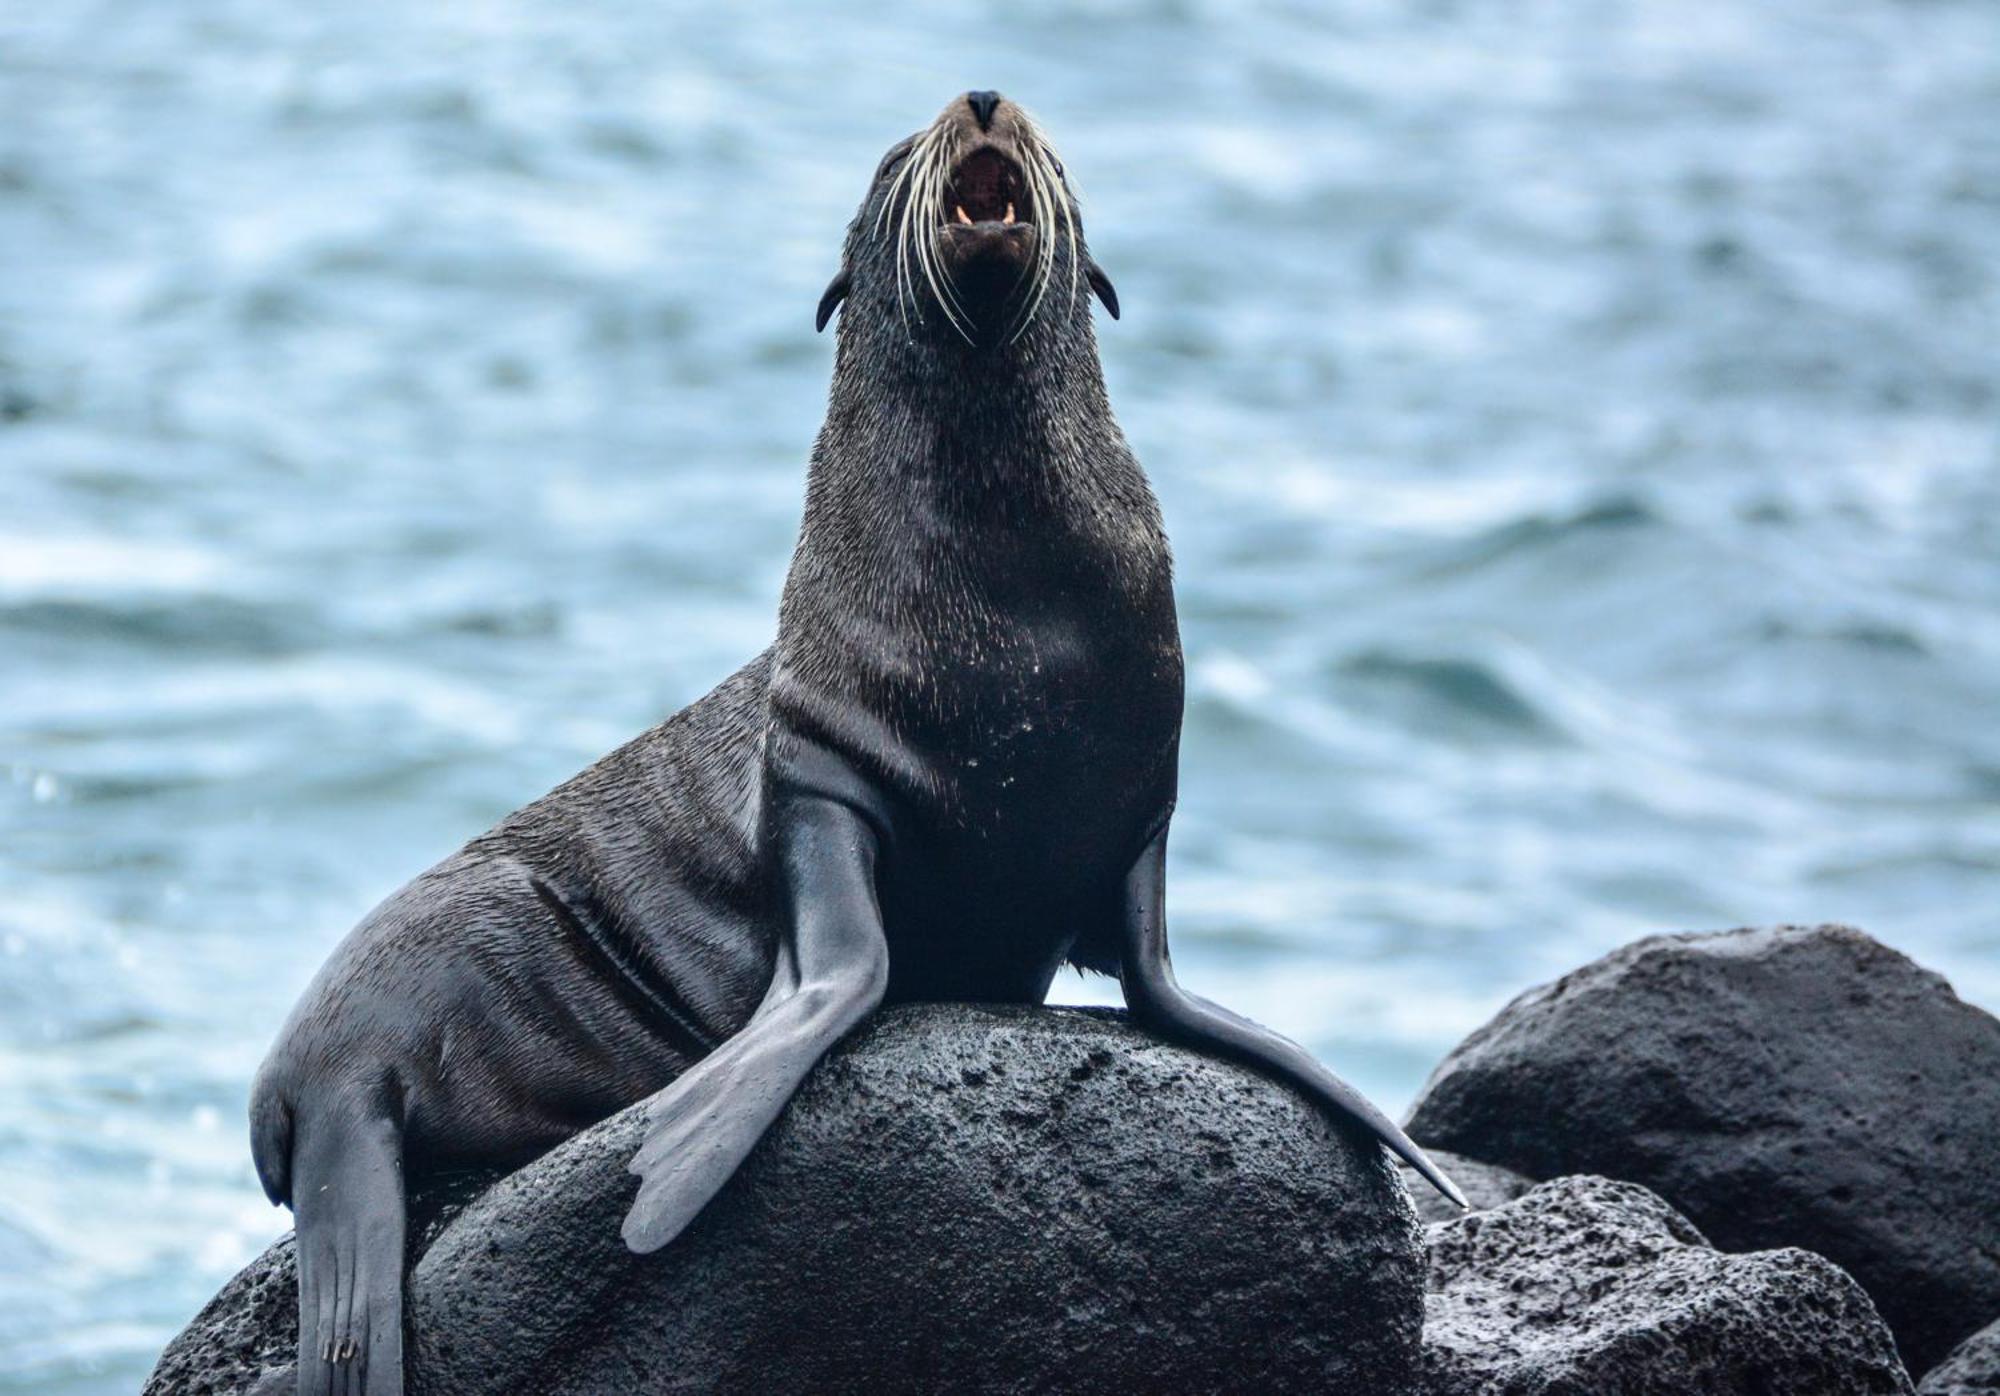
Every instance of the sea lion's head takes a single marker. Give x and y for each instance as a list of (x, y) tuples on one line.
[(970, 230)]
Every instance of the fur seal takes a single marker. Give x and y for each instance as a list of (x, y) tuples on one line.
[(951, 774)]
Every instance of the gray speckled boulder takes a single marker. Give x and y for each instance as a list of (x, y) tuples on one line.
[(1973, 1369), (1790, 1087), (1589, 1287), (962, 1199)]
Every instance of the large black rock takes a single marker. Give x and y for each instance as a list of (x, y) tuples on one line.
[(960, 1199), (1797, 1086), (1972, 1370), (1586, 1287)]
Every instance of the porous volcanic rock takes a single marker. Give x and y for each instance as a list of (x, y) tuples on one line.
[(1796, 1086), (961, 1198), (1588, 1287), (1973, 1369), (250, 1328)]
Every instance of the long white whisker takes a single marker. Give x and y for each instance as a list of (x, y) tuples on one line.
[(1075, 250), (899, 198), (910, 246), (1031, 294), (911, 242), (1045, 192), (935, 178)]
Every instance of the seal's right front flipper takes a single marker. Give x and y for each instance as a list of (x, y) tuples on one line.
[(1158, 1002), (833, 966)]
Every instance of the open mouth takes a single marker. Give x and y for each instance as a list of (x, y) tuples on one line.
[(987, 187)]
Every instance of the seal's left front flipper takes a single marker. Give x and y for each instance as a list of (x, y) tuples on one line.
[(833, 966), (1161, 1004)]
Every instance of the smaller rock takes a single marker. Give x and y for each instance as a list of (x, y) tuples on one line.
[(1584, 1286), (1973, 1369), (1485, 1185)]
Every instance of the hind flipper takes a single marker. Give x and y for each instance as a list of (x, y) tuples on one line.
[(833, 965), (1159, 1003), (347, 1192)]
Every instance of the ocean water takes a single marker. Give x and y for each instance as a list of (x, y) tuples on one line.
[(1576, 424)]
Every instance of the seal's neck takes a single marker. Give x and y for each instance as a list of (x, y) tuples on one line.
[(962, 418), (950, 488)]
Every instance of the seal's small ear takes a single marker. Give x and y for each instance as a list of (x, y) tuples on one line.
[(836, 292), (1106, 292)]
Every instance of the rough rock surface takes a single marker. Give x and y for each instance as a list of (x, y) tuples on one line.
[(1972, 1370), (962, 1198), (1589, 1287), (1485, 1185), (249, 1327), (1787, 1087)]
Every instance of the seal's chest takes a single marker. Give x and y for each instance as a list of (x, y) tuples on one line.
[(1054, 718)]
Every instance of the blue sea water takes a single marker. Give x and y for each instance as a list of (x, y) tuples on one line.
[(1576, 424)]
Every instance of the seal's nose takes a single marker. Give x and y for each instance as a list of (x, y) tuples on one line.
[(983, 105)]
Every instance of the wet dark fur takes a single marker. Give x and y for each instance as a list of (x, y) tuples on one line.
[(979, 617)]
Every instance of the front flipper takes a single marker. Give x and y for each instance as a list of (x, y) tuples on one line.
[(1159, 1003), (833, 965)]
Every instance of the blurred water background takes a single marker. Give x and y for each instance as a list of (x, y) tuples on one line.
[(1576, 424)]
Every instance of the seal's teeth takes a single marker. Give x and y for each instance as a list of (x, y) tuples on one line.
[(963, 216), (1009, 218)]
